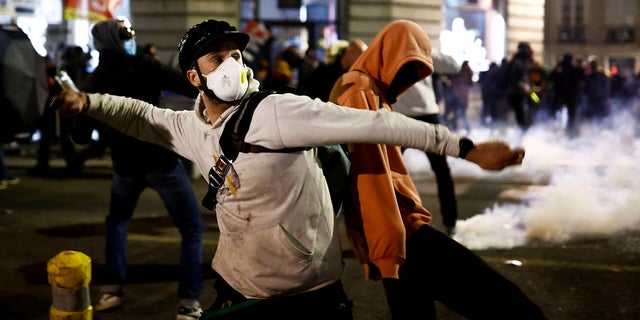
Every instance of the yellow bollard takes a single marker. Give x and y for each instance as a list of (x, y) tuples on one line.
[(69, 274)]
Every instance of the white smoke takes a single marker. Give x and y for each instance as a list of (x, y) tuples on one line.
[(581, 187)]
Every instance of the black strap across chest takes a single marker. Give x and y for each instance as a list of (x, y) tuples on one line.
[(232, 143), (232, 138)]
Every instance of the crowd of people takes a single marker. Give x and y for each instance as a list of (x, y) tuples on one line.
[(515, 91), (581, 91), (292, 263), (522, 91)]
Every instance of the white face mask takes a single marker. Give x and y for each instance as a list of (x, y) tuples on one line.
[(229, 81)]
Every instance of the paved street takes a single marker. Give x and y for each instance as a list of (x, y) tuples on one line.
[(590, 278)]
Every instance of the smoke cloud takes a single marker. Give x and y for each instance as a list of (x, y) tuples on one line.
[(587, 186)]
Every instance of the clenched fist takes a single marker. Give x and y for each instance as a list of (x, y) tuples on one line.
[(495, 155), (69, 103)]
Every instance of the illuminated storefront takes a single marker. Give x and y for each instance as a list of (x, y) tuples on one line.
[(52, 24), (474, 31)]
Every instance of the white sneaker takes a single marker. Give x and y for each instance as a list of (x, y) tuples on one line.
[(11, 180), (108, 302), (187, 313)]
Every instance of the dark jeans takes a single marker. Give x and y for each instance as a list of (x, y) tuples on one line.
[(175, 190), (455, 111), (438, 268), (328, 303), (518, 103), (572, 113), (446, 190)]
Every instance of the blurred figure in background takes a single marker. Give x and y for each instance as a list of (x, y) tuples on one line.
[(138, 165), (282, 77), (151, 50), (338, 59), (518, 85), (457, 98), (597, 89), (567, 80), (490, 94), (47, 127), (74, 61), (308, 64), (538, 101)]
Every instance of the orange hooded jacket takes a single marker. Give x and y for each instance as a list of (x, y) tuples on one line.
[(383, 207)]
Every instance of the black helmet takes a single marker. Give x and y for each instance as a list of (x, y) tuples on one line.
[(202, 36)]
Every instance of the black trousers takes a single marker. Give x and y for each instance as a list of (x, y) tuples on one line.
[(438, 268), (328, 303), (518, 103)]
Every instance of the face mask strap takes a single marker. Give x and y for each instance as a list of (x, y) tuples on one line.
[(203, 85)]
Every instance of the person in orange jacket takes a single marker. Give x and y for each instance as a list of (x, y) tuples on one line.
[(387, 225)]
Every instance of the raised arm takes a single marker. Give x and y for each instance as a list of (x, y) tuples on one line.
[(130, 116)]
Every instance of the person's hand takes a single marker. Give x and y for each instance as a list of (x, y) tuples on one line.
[(495, 155), (69, 103)]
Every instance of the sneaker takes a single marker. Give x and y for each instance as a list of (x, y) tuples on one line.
[(188, 313), (10, 180), (108, 302)]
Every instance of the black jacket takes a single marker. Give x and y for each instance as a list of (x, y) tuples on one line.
[(322, 79), (141, 77)]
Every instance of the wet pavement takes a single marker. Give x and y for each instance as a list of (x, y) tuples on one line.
[(595, 278)]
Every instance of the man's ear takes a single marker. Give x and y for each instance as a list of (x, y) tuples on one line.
[(192, 76)]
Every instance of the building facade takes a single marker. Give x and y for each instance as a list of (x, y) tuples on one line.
[(606, 29), (498, 24)]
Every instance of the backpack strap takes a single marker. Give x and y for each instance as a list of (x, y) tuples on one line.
[(232, 138), (232, 143)]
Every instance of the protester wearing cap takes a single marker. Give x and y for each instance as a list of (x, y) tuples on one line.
[(279, 252)]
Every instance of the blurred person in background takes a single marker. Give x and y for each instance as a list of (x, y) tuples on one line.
[(50, 124), (457, 98), (517, 84), (151, 50), (338, 59), (597, 91), (308, 64), (568, 81), (138, 165), (282, 77)]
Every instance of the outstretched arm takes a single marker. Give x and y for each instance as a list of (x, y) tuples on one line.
[(133, 117)]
